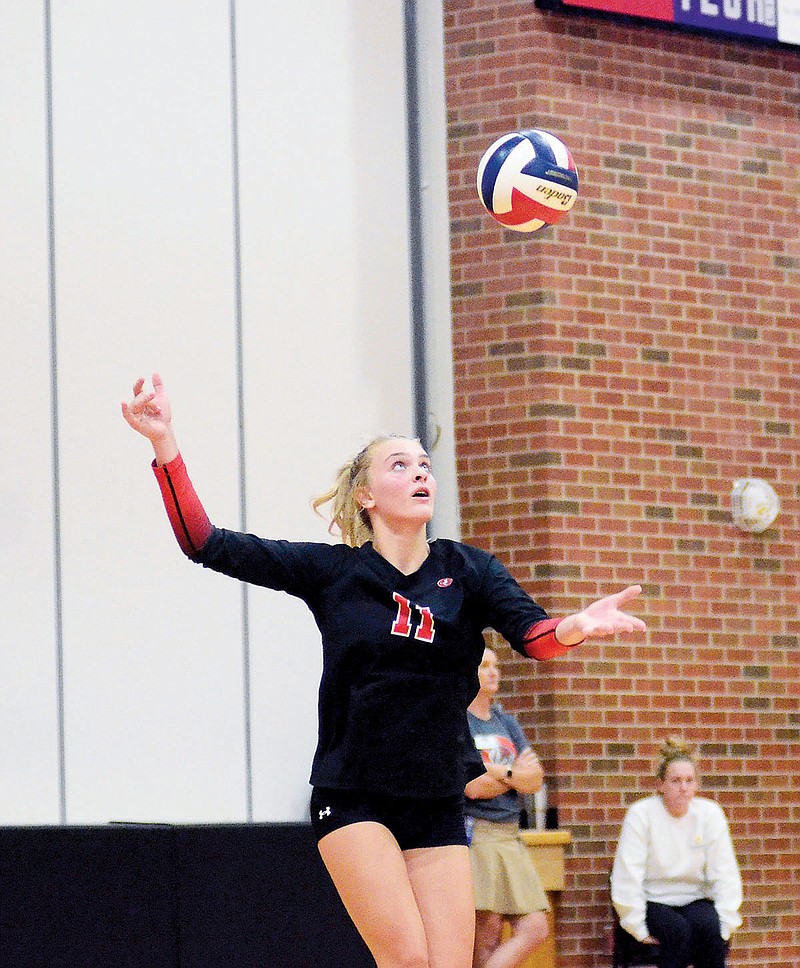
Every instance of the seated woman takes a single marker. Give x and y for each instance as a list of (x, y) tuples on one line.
[(506, 886), (675, 880)]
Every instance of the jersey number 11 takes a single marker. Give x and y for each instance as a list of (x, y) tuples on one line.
[(402, 624)]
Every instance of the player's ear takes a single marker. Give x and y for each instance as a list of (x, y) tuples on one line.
[(365, 498)]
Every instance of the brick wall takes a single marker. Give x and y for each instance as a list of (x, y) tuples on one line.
[(614, 376)]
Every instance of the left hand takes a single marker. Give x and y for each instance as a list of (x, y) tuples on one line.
[(602, 618)]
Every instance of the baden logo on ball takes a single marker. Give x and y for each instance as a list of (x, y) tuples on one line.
[(527, 180)]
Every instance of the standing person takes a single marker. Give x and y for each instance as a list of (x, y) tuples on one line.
[(401, 622), (675, 880), (504, 879)]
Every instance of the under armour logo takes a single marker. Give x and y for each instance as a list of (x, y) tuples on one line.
[(325, 813)]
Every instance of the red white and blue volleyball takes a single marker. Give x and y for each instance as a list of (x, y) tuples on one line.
[(527, 180)]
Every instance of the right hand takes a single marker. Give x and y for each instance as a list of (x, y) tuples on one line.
[(149, 413), (528, 772), (650, 940)]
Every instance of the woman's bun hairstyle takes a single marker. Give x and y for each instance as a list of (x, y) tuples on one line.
[(675, 749)]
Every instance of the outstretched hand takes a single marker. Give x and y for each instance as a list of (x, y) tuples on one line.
[(602, 618), (151, 415)]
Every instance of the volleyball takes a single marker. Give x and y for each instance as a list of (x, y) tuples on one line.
[(527, 180)]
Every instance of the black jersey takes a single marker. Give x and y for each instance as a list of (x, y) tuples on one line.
[(400, 652)]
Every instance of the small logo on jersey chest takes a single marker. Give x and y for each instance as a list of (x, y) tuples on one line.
[(444, 582)]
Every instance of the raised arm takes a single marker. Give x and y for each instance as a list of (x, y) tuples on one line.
[(151, 415)]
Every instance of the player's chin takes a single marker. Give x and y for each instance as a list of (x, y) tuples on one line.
[(423, 509)]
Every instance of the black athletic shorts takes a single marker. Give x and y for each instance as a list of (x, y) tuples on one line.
[(415, 822)]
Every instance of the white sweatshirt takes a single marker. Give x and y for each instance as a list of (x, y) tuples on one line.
[(674, 861)]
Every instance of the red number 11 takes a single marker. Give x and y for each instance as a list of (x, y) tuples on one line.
[(402, 624)]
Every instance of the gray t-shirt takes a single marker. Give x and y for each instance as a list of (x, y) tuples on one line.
[(499, 739)]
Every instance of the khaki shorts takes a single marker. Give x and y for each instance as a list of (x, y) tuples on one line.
[(503, 876)]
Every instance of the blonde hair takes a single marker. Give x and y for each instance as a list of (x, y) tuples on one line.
[(675, 750), (346, 513)]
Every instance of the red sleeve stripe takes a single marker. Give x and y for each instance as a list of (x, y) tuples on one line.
[(541, 642), (186, 514)]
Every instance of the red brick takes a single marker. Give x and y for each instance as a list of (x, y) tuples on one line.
[(672, 263)]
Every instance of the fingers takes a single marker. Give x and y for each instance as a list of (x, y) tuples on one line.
[(142, 402), (158, 384), (614, 625), (605, 617), (139, 398), (601, 630), (629, 623), (628, 594)]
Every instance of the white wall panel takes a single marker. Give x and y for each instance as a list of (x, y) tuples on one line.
[(28, 688), (326, 312), (145, 280)]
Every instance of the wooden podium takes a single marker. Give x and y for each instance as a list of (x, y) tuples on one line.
[(547, 851)]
